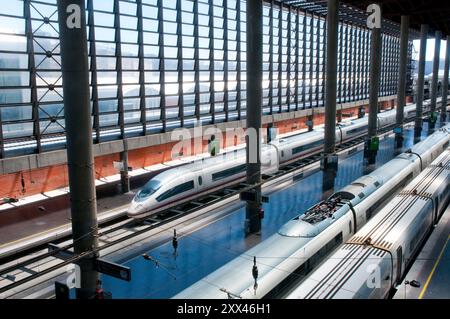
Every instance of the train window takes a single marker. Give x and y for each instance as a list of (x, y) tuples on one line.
[(357, 130), (376, 184), (369, 214), (361, 195), (229, 172), (150, 188), (305, 268), (282, 153), (176, 191), (350, 227), (200, 181), (325, 250), (302, 148)]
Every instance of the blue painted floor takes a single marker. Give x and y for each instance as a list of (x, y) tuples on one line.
[(207, 249)]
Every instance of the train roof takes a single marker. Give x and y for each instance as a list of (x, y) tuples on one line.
[(344, 274), (315, 219), (236, 276), (394, 216)]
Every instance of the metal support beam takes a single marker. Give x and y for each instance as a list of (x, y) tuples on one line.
[(75, 72), (374, 79), (331, 76), (141, 67), (330, 160), (420, 79), (94, 75), (434, 80), (254, 108), (162, 66), (124, 177), (33, 75), (401, 90), (376, 50), (445, 81), (212, 67), (119, 68), (239, 61)]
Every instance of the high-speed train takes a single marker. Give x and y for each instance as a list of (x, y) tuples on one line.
[(289, 255), (374, 260), (188, 181)]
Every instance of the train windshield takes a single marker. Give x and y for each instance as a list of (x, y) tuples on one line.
[(150, 188)]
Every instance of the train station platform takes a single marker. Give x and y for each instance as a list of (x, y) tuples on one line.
[(432, 266)]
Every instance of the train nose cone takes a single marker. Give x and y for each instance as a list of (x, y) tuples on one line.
[(134, 209)]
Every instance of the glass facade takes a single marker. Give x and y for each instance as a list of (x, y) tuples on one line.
[(157, 65)]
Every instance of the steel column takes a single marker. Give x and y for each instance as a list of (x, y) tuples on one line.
[(304, 62), (239, 61), (445, 81), (330, 160), (288, 62), (226, 61), (280, 60), (297, 57), (141, 56), (401, 90), (254, 106), (33, 80), (212, 86), (124, 178), (331, 84), (75, 72), (317, 58), (354, 63), (271, 61), (434, 80), (374, 80), (162, 66), (196, 63), (376, 52), (420, 78), (94, 76), (311, 60)]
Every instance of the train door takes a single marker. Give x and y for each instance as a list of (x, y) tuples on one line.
[(399, 265), (339, 135), (436, 209), (200, 182)]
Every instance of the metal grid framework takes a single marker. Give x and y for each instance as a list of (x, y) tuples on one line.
[(348, 11), (157, 65)]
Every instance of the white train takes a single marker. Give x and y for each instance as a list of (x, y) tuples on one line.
[(288, 256), (188, 181), (373, 261)]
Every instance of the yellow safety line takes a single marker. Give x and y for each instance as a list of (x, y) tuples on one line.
[(434, 268)]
